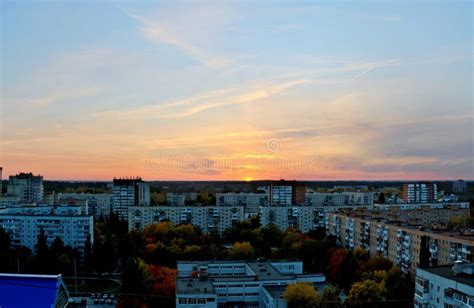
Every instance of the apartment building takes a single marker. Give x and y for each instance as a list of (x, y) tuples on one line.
[(400, 244), (238, 283), (459, 186), (339, 199), (426, 215), (306, 218), (98, 204), (445, 286), (208, 218), (66, 222), (250, 201), (26, 187), (129, 192), (420, 192), (175, 199), (286, 193)]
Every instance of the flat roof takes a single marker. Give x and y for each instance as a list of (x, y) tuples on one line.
[(277, 291), (446, 271), (193, 285)]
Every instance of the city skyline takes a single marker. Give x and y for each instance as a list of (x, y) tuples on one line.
[(237, 91)]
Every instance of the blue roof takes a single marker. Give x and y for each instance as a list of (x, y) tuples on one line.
[(18, 290)]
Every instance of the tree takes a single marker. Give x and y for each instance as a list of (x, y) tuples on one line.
[(301, 295), (381, 199), (424, 252), (43, 260), (88, 256), (398, 285), (136, 277), (366, 291), (242, 251), (5, 241)]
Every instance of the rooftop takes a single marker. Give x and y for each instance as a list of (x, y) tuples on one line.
[(192, 285), (277, 291), (446, 271)]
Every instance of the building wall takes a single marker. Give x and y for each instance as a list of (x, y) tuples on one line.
[(436, 291), (250, 201), (27, 187), (401, 245), (24, 229), (207, 218)]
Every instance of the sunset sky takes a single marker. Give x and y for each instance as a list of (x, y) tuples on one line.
[(237, 90)]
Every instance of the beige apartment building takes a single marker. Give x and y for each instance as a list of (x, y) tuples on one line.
[(400, 243)]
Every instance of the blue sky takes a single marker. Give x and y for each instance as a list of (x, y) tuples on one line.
[(368, 90)]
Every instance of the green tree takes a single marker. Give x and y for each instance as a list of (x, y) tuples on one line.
[(301, 295), (88, 256)]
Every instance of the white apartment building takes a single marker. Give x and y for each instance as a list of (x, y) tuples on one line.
[(450, 286), (26, 187), (340, 199), (250, 201), (175, 199), (207, 218), (66, 222), (129, 192), (306, 218), (238, 283), (98, 204)]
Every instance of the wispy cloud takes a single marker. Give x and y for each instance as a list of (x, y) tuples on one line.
[(157, 32), (204, 101)]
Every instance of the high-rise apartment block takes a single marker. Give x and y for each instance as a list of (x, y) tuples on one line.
[(402, 244), (207, 218), (459, 186), (340, 199), (445, 286), (26, 187), (250, 201), (129, 192), (420, 192), (286, 193), (98, 204), (68, 223)]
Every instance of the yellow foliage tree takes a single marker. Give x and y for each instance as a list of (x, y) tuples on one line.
[(301, 295)]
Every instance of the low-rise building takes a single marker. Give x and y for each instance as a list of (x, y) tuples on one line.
[(25, 290), (445, 286), (400, 244), (208, 218), (238, 283), (66, 222)]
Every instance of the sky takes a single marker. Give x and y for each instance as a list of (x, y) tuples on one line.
[(242, 90)]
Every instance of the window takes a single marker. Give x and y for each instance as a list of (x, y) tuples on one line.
[(183, 301)]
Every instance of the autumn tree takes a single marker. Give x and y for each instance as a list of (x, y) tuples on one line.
[(242, 251), (136, 277), (366, 291), (301, 295)]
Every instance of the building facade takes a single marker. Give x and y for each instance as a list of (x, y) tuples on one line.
[(236, 283), (250, 201), (68, 223), (207, 218), (459, 186), (340, 199), (286, 193), (445, 286), (98, 204), (420, 192), (26, 187), (129, 192), (175, 199), (400, 244)]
